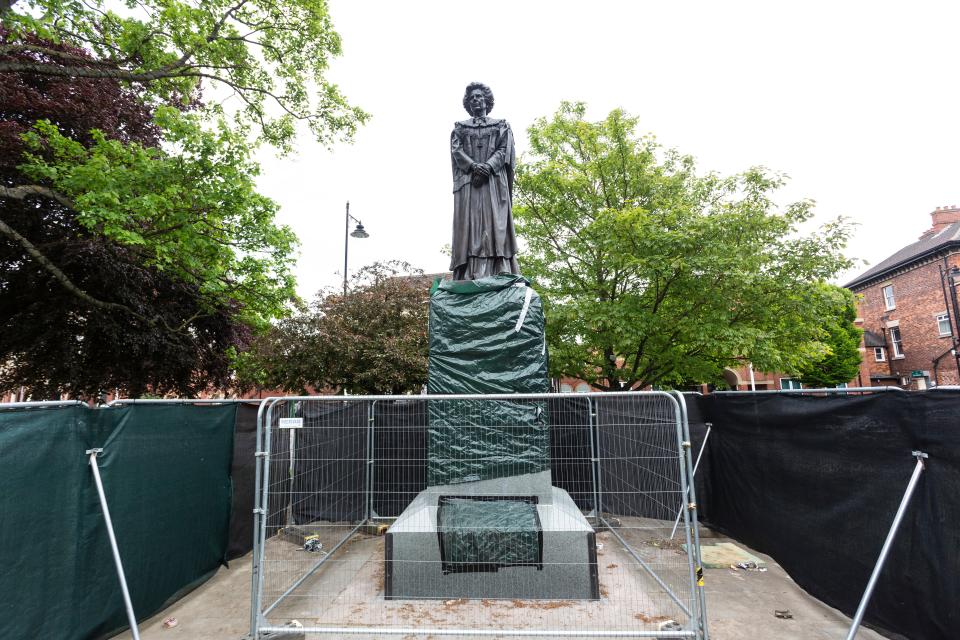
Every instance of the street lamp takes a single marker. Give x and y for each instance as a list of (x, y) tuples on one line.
[(359, 232)]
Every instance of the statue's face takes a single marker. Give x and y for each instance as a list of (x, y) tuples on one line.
[(477, 103)]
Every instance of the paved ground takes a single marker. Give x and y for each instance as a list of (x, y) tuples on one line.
[(740, 604)]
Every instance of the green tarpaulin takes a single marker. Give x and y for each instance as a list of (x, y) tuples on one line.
[(166, 475), (486, 336), (487, 534)]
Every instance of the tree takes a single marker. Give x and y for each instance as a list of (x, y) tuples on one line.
[(53, 343), (653, 274), (54, 336), (371, 341), (106, 146), (840, 361), (272, 55)]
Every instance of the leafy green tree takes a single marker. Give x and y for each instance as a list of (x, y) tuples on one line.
[(841, 359), (143, 329), (195, 214), (654, 274), (114, 138), (272, 54), (371, 341)]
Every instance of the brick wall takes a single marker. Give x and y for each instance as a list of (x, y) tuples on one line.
[(919, 298)]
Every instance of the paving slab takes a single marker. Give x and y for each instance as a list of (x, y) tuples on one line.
[(721, 555), (740, 604)]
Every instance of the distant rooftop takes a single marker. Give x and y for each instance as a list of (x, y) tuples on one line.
[(944, 233)]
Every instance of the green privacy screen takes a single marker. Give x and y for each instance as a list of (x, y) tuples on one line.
[(486, 336), (166, 474)]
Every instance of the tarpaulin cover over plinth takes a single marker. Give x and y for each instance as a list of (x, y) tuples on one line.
[(486, 336), (479, 534)]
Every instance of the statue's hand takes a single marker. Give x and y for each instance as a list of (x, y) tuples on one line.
[(478, 179), (483, 168)]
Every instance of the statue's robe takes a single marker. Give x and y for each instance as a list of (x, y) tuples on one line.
[(484, 243)]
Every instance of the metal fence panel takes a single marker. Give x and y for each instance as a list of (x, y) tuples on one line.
[(357, 537)]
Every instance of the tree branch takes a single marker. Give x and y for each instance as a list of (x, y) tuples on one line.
[(23, 191), (12, 49), (62, 278), (41, 69)]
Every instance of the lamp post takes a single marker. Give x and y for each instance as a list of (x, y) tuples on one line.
[(359, 232)]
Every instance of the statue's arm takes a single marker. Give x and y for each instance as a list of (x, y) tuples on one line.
[(504, 152), (460, 157)]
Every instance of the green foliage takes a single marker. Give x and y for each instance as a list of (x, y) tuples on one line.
[(273, 55), (194, 214), (840, 361), (129, 129), (653, 274), (371, 341)]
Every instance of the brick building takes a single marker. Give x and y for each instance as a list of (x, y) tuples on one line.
[(908, 310)]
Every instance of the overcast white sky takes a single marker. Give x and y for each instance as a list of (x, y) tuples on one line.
[(858, 102)]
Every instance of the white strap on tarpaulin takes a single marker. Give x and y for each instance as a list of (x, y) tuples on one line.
[(526, 307)]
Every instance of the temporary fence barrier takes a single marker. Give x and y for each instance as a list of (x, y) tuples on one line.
[(551, 515), (165, 471), (845, 434), (801, 459)]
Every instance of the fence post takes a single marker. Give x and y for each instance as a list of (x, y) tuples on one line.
[(594, 462), (261, 533), (131, 617), (259, 511), (692, 495), (689, 508), (887, 544), (595, 458), (371, 417)]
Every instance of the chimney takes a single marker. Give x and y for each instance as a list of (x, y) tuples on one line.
[(943, 217)]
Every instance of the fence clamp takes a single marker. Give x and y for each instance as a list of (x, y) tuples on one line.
[(692, 506), (260, 511), (686, 444), (920, 456), (260, 454), (97, 452)]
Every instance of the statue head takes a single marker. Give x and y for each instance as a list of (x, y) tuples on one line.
[(477, 96)]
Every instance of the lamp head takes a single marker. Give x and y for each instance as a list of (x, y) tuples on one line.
[(359, 232)]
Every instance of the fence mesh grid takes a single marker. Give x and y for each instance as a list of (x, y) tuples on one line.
[(556, 518)]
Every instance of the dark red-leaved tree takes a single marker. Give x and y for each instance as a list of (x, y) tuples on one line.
[(74, 307), (371, 341)]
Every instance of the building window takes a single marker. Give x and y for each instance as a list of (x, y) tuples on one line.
[(879, 354), (888, 297), (790, 383), (943, 324), (896, 341)]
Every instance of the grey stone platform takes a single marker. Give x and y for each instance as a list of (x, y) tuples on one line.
[(413, 568)]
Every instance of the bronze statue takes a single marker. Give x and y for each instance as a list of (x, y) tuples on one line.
[(483, 157)]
